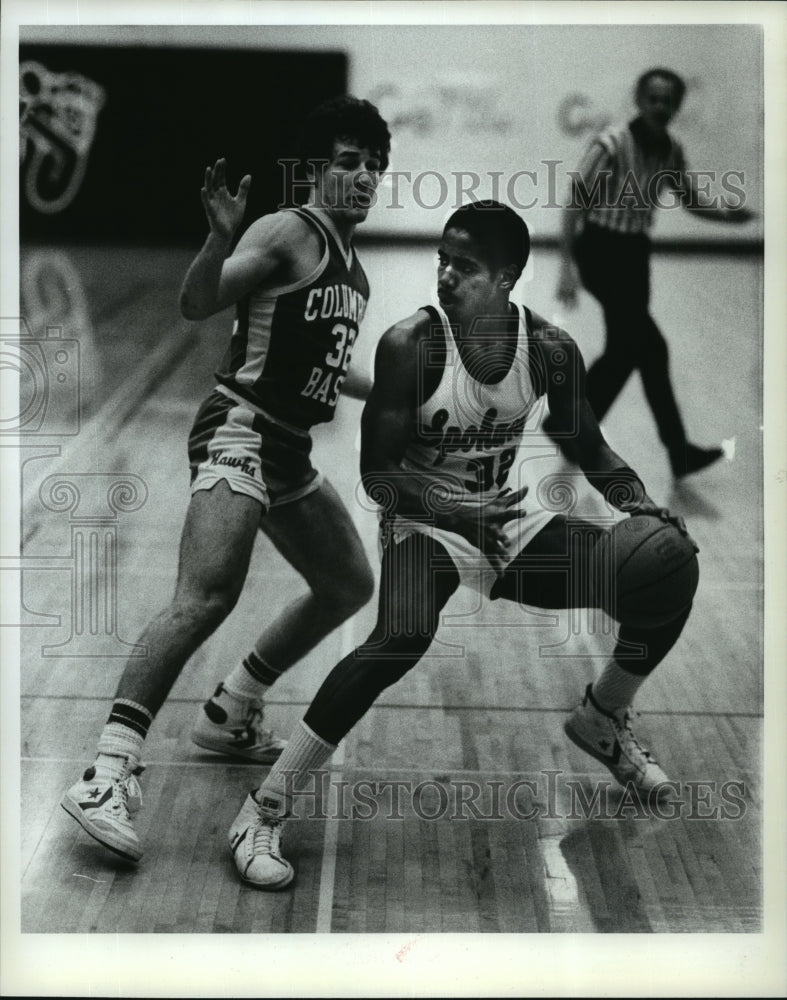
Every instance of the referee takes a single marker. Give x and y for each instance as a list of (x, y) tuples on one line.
[(628, 171)]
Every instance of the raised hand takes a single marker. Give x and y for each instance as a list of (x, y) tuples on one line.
[(224, 211)]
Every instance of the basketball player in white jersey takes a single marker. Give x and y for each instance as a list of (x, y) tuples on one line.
[(626, 172), (453, 390), (301, 294)]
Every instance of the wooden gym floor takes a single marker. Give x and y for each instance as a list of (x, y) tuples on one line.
[(487, 705)]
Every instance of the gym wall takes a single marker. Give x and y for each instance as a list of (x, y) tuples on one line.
[(514, 106)]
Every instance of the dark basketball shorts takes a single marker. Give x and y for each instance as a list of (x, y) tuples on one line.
[(255, 454)]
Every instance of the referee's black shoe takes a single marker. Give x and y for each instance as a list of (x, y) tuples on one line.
[(688, 458)]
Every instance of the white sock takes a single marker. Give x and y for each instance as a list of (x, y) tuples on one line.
[(119, 751), (305, 751), (251, 678), (615, 688)]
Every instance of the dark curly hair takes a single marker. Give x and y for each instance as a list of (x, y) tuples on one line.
[(501, 234), (344, 118), (678, 83)]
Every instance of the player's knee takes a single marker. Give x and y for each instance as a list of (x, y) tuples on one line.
[(387, 644), (217, 605), (207, 609), (352, 591), (360, 589)]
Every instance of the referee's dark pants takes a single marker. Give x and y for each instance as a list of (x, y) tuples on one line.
[(615, 268)]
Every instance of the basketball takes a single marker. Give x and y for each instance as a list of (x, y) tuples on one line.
[(649, 571)]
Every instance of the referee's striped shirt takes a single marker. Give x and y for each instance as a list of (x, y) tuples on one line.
[(624, 175)]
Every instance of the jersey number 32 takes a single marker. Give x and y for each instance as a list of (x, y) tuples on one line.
[(483, 471), (325, 384)]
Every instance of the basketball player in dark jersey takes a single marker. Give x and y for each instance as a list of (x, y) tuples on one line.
[(301, 294), (610, 253), (454, 388)]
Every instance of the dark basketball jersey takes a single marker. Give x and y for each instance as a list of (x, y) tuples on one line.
[(291, 345)]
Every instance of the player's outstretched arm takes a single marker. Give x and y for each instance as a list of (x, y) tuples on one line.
[(574, 427), (704, 205), (217, 279)]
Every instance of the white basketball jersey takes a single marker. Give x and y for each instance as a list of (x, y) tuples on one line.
[(468, 431), (466, 445)]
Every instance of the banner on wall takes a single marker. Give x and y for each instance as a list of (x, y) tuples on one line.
[(58, 113), (114, 141)]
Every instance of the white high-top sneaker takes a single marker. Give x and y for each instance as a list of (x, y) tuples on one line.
[(241, 737), (255, 837), (104, 807), (608, 737)]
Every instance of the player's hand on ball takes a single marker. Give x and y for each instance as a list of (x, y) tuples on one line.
[(647, 506), (224, 211)]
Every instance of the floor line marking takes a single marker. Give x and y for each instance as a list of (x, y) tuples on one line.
[(329, 852), (331, 835), (418, 706), (339, 766)]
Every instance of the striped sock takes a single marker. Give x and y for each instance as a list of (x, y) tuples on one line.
[(251, 678), (120, 743), (615, 687), (305, 751)]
